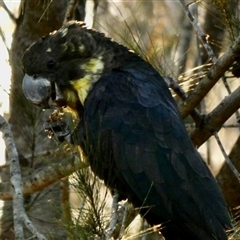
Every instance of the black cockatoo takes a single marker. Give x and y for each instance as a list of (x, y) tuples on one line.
[(130, 129)]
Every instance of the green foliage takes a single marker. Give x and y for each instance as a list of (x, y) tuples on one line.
[(89, 218)]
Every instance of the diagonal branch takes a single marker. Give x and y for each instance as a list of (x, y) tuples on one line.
[(214, 74), (227, 159), (202, 36), (45, 176), (204, 40), (214, 120), (4, 40)]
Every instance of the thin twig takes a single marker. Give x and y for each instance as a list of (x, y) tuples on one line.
[(231, 125), (45, 10), (203, 38), (227, 159), (4, 41), (144, 232)]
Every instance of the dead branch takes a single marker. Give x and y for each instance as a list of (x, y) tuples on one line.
[(204, 40), (19, 214), (214, 74), (214, 120), (202, 36), (227, 159), (45, 176), (4, 40)]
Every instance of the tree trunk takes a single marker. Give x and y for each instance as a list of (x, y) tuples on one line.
[(36, 19)]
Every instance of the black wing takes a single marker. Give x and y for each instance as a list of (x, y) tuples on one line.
[(138, 144)]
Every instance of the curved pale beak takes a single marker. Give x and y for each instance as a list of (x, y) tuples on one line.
[(40, 91)]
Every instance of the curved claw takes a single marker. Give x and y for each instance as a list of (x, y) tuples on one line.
[(59, 130)]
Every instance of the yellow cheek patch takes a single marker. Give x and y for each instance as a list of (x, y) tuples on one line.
[(82, 86), (70, 96), (93, 66), (93, 69), (72, 101)]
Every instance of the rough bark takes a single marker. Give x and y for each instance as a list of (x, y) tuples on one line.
[(36, 19)]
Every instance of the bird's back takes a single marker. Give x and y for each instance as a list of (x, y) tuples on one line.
[(151, 159)]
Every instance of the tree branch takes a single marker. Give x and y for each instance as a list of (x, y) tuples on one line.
[(214, 74), (227, 159), (204, 40), (4, 40), (214, 120), (19, 214), (16, 180), (45, 176), (202, 36)]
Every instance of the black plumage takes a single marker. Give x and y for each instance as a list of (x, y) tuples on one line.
[(130, 129)]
